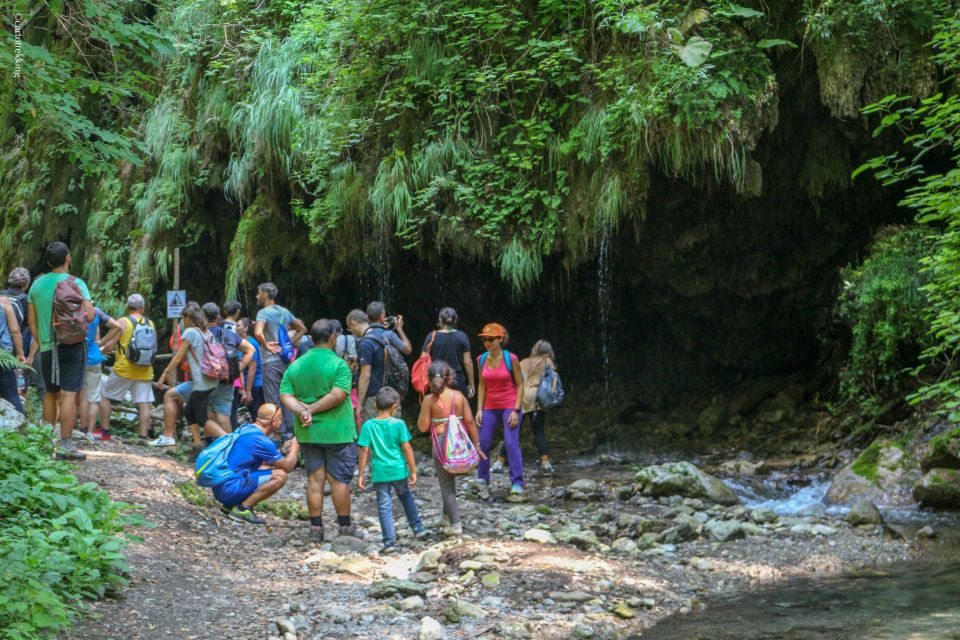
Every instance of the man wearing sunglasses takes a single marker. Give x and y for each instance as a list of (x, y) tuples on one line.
[(259, 469)]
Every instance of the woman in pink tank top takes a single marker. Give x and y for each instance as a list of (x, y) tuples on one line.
[(498, 402)]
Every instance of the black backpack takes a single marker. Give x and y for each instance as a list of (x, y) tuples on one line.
[(396, 373), (233, 356)]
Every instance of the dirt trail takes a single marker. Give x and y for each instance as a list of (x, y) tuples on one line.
[(199, 575)]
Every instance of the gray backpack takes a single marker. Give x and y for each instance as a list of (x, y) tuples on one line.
[(550, 389), (142, 347)]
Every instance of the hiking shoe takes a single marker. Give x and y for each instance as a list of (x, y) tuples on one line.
[(101, 435), (422, 533), (66, 452), (246, 514), (351, 530), (546, 468), (455, 529), (497, 467), (316, 534), (163, 441), (389, 549), (516, 489)]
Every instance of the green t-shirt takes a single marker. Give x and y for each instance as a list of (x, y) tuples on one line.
[(41, 297), (309, 378), (384, 438)]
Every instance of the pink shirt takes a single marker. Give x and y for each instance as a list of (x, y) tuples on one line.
[(501, 392)]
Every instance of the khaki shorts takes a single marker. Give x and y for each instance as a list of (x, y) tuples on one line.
[(116, 388), (93, 382)]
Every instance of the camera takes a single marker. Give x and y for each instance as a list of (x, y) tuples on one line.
[(391, 322)]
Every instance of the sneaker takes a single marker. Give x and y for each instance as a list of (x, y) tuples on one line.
[(516, 489), (316, 534), (246, 514), (455, 529), (85, 435), (351, 530), (497, 467), (70, 454), (101, 435), (389, 549), (546, 468), (422, 533), (163, 441)]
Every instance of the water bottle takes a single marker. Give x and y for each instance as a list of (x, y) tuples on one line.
[(21, 382)]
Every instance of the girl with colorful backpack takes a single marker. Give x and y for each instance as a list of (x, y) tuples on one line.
[(446, 414), (498, 402)]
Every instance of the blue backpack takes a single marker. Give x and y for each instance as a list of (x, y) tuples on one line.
[(550, 389), (287, 351), (212, 468)]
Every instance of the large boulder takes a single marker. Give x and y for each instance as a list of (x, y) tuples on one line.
[(883, 474), (939, 488), (942, 452), (10, 418), (683, 479)]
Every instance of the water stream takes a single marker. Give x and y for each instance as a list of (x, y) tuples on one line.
[(603, 302)]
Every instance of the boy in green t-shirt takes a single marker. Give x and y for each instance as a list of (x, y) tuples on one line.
[(389, 440)]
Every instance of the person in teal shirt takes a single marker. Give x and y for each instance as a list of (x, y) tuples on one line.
[(387, 438)]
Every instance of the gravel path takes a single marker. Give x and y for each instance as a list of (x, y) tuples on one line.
[(198, 575)]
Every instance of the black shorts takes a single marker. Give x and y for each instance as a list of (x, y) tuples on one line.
[(339, 459), (195, 408), (72, 359)]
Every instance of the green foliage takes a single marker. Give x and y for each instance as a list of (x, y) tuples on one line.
[(930, 129), (61, 541), (883, 300)]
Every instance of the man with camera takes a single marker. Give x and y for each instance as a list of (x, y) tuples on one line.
[(372, 369)]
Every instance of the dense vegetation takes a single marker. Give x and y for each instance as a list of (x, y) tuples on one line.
[(60, 541), (906, 300)]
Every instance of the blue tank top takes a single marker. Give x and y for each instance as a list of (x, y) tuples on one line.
[(6, 340), (94, 355)]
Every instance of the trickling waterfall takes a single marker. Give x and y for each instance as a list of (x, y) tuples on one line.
[(382, 244), (603, 295)]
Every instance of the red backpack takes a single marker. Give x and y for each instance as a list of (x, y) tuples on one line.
[(419, 379), (69, 317)]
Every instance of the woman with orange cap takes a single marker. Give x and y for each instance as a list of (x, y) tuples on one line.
[(498, 402)]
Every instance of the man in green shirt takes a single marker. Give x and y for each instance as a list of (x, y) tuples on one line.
[(63, 366), (316, 389)]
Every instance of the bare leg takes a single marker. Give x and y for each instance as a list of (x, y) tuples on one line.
[(277, 479), (104, 417), (144, 408), (213, 428), (171, 404), (315, 482), (84, 410), (51, 406), (340, 493), (223, 421), (68, 412)]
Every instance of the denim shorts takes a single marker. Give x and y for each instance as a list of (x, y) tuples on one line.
[(222, 399)]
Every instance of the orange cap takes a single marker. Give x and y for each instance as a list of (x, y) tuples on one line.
[(493, 330)]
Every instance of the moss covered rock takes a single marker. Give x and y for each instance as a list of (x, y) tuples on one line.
[(883, 473), (943, 452), (683, 479), (939, 488)]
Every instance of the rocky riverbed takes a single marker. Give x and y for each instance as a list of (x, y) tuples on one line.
[(601, 555)]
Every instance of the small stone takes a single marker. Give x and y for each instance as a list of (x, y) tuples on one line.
[(864, 512), (387, 588), (623, 611), (422, 576), (348, 544), (624, 545), (926, 533), (800, 528), (725, 530), (471, 565), (461, 609), (491, 580), (430, 629), (822, 530), (763, 516), (289, 636), (429, 560), (409, 603), (571, 596), (285, 625), (583, 631), (539, 535)]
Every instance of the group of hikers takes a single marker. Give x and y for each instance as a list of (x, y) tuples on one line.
[(328, 394)]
